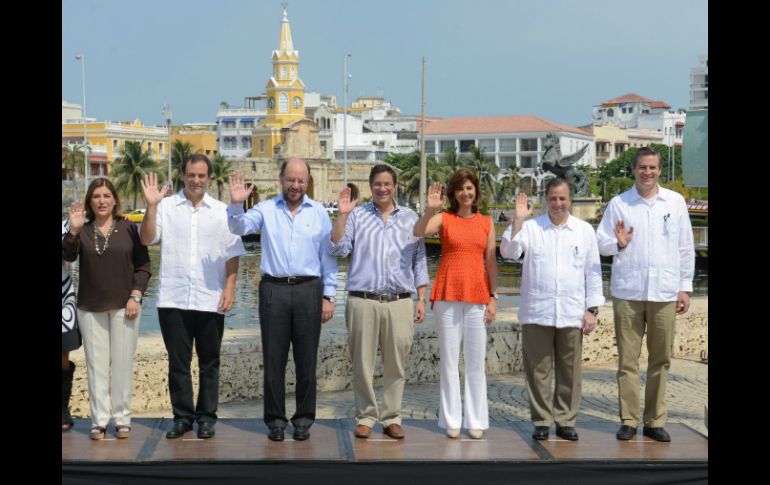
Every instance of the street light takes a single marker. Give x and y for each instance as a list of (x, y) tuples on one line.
[(345, 78), (82, 59), (167, 116)]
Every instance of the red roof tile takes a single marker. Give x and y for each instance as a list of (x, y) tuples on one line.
[(635, 98), (497, 124)]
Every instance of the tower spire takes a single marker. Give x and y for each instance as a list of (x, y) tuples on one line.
[(285, 43)]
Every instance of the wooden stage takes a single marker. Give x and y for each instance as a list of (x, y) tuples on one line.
[(241, 450)]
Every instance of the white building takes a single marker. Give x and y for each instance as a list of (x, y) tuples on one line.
[(235, 126), (699, 84), (508, 140), (361, 143), (70, 111), (626, 111), (322, 109)]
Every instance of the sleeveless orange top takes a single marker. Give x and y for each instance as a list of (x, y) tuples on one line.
[(461, 272)]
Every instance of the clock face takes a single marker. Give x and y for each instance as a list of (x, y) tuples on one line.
[(297, 102), (271, 102)]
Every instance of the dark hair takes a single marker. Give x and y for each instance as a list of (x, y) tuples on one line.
[(456, 182), (557, 182), (646, 152), (378, 169), (286, 162), (354, 192), (195, 158), (95, 184)]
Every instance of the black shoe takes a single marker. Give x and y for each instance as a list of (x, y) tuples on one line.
[(180, 428), (301, 433), (205, 430), (658, 434), (566, 433), (541, 433), (276, 434), (625, 433)]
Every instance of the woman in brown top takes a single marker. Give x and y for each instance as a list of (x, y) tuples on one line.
[(463, 298), (114, 272)]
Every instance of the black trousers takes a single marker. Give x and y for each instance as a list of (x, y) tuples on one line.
[(180, 329), (290, 314)]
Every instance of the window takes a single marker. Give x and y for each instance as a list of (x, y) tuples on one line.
[(149, 146), (114, 145), (228, 124), (323, 146), (293, 71), (160, 148), (261, 145), (610, 113), (529, 144), (246, 141), (487, 145), (283, 72), (507, 161), (465, 145), (283, 103), (679, 132), (430, 146), (247, 124), (445, 145), (528, 161), (507, 144)]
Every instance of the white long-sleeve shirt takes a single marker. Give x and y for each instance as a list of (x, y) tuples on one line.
[(659, 261), (561, 273)]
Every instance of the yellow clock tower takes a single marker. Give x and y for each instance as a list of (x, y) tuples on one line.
[(285, 95)]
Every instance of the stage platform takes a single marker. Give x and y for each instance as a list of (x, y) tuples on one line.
[(241, 451)]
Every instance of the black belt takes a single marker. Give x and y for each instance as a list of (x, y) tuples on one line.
[(289, 280), (380, 296)]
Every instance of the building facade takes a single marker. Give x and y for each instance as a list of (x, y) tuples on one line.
[(699, 84)]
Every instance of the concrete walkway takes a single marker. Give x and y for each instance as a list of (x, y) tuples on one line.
[(687, 396)]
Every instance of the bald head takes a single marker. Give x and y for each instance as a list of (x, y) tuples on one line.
[(295, 163)]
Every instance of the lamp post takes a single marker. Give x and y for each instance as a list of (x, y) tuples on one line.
[(345, 78), (86, 168), (167, 116)]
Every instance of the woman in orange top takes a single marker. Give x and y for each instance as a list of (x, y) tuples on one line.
[(463, 298)]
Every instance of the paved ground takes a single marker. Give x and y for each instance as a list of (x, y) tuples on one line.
[(687, 396)]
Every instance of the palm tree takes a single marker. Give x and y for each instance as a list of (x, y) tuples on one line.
[(129, 170), (508, 180), (222, 169), (180, 152), (485, 169), (409, 178), (452, 160), (73, 158)]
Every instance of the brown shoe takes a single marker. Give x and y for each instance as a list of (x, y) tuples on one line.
[(394, 431), (362, 431)]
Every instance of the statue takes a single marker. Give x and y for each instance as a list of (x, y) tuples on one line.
[(563, 166)]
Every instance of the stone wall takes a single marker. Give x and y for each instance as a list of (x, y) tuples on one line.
[(241, 361)]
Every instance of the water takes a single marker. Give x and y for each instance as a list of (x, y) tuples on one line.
[(245, 312)]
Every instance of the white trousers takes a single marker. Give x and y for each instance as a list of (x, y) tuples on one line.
[(456, 323), (109, 341)]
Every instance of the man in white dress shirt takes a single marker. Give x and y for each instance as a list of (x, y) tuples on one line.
[(198, 267), (561, 290), (647, 230)]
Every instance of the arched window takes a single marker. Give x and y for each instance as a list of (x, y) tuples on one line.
[(610, 113), (283, 72), (283, 103)]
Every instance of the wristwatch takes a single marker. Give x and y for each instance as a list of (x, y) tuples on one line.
[(136, 298), (594, 310), (422, 299), (331, 299), (493, 295)]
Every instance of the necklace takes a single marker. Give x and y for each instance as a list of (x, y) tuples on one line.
[(98, 233)]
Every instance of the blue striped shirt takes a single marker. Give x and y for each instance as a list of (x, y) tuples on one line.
[(291, 246), (386, 256)]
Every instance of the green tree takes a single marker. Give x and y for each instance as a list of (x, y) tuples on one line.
[(409, 178), (452, 160), (129, 170), (181, 151), (486, 171), (222, 169), (74, 159), (508, 180)]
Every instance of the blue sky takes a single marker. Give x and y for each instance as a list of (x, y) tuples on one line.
[(551, 58)]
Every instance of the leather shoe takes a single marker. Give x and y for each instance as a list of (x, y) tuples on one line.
[(301, 433), (205, 430), (541, 433), (363, 431), (658, 434), (394, 431), (276, 434), (566, 433), (625, 433), (180, 428)]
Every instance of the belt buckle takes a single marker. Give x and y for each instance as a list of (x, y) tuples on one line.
[(291, 280), (382, 297)]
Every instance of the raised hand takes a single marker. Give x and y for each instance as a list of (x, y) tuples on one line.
[(77, 217), (522, 207), (238, 190), (624, 236), (344, 204), (153, 193), (435, 199)]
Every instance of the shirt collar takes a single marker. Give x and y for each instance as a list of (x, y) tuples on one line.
[(548, 224), (373, 208), (660, 195), (181, 199), (306, 201)]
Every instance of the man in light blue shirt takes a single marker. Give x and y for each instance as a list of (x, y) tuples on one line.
[(296, 292), (387, 266)]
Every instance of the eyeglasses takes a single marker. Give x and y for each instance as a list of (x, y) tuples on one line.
[(383, 185)]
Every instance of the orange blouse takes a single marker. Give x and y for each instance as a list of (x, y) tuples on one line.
[(461, 272)]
